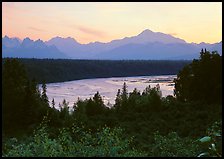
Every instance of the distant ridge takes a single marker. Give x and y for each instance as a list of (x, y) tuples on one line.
[(12, 47), (147, 45)]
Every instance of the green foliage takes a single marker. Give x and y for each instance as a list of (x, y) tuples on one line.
[(53, 103), (64, 109), (205, 139), (173, 146), (14, 82), (122, 99), (44, 93), (148, 101), (118, 100), (154, 99), (40, 145), (145, 114), (148, 112), (124, 93), (106, 142), (212, 143), (201, 80), (90, 107), (131, 123), (23, 107)]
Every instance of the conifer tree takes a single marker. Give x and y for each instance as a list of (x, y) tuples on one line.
[(44, 93), (124, 95), (53, 103)]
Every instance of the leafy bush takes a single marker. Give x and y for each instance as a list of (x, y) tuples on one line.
[(39, 145), (105, 142), (173, 146), (212, 143)]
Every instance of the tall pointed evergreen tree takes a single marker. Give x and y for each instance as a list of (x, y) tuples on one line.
[(118, 100), (53, 103), (44, 93)]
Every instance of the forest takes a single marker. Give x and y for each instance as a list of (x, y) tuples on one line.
[(188, 124), (60, 70)]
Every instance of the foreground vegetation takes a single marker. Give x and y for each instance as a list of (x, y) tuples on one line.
[(79, 143), (139, 124)]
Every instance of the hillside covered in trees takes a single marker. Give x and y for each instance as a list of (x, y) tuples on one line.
[(60, 70), (139, 124)]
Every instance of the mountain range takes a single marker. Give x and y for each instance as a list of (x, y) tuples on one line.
[(147, 45), (13, 47)]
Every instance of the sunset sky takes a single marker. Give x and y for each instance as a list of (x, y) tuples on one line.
[(106, 21)]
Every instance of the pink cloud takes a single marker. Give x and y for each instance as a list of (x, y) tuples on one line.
[(91, 31)]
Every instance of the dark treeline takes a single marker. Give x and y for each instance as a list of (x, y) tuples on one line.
[(60, 70), (139, 123)]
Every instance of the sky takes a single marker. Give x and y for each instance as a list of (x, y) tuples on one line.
[(105, 21)]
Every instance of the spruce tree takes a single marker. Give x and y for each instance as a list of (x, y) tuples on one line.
[(53, 103), (44, 93)]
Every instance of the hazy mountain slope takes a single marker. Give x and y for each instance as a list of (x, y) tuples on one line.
[(10, 42), (146, 45), (29, 49), (154, 51)]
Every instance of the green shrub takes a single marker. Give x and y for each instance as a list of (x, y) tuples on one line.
[(105, 142), (211, 144), (173, 146)]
